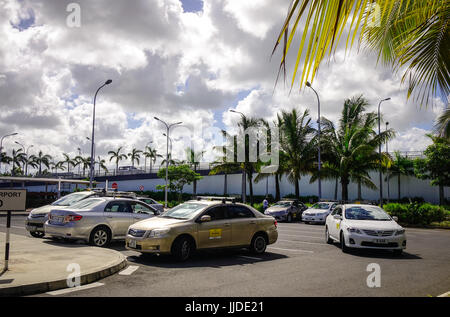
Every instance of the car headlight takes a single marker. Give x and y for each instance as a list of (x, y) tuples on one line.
[(354, 230), (158, 233), (399, 232)]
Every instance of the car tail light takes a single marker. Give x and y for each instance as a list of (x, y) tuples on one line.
[(275, 223), (73, 218)]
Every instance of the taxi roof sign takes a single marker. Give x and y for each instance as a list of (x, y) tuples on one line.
[(13, 199)]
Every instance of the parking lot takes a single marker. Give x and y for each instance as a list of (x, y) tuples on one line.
[(300, 263)]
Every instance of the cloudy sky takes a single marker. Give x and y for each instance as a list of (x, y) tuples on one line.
[(189, 61)]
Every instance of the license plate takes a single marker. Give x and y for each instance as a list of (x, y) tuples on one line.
[(58, 219), (383, 241), (132, 244)]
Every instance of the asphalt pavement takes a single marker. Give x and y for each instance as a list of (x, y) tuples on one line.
[(300, 263)]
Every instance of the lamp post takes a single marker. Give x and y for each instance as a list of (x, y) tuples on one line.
[(91, 174), (379, 152), (1, 147), (168, 126), (308, 84), (244, 180), (387, 151), (79, 165)]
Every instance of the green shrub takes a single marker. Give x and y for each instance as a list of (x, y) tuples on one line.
[(416, 213)]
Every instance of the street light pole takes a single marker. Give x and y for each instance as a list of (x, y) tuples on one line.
[(379, 152), (387, 151), (91, 174), (244, 176), (1, 147), (168, 126), (308, 84)]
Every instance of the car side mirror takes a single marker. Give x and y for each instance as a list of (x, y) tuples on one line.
[(205, 218), (337, 217), (395, 218)]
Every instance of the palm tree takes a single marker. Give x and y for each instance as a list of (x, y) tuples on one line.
[(408, 35), (18, 157), (353, 147), (400, 165), (40, 159), (59, 165), (171, 161), (193, 159), (298, 142), (101, 165), (67, 160), (152, 155), (5, 159), (134, 155), (84, 162), (442, 126), (117, 156)]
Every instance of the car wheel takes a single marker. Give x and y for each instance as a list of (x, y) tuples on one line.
[(327, 236), (398, 252), (344, 248), (100, 237), (182, 248), (37, 234), (289, 218), (259, 244)]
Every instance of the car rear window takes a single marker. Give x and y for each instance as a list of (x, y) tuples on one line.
[(239, 212), (87, 203)]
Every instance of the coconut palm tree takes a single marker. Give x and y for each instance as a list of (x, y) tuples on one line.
[(84, 162), (67, 160), (442, 126), (117, 156), (353, 146), (193, 159), (101, 165), (298, 142), (5, 159), (409, 35), (152, 155), (41, 159), (134, 155), (400, 165), (59, 165), (18, 157)]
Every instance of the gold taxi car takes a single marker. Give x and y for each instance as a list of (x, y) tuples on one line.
[(205, 223)]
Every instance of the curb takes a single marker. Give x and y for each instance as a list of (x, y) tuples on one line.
[(44, 287)]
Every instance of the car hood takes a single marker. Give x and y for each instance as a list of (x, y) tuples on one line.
[(156, 222), (373, 224), (44, 210), (276, 209), (315, 211)]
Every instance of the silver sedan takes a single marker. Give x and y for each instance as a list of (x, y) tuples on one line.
[(97, 220)]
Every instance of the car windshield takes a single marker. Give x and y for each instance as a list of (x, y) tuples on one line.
[(282, 204), (70, 199), (87, 203), (320, 206), (184, 211), (366, 213)]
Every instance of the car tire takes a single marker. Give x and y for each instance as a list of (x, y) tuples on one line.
[(289, 218), (182, 249), (344, 248), (258, 244), (100, 237), (327, 236), (398, 252), (37, 234)]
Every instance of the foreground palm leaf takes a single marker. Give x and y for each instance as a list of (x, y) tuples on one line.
[(407, 34)]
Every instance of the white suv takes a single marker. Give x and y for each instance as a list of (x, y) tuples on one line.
[(364, 226)]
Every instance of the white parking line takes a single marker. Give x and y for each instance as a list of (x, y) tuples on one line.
[(250, 257), (295, 241), (129, 270), (298, 235), (74, 289), (445, 295), (290, 250)]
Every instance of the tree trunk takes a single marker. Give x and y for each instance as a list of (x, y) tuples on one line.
[(441, 195), (344, 186), (398, 184), (297, 189), (336, 189), (277, 188), (250, 180), (225, 185), (195, 182), (359, 191)]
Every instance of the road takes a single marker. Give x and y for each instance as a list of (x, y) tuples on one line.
[(299, 264)]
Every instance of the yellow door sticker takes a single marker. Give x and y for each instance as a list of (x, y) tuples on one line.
[(215, 233), (337, 225)]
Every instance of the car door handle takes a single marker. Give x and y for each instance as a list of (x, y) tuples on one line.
[(226, 224)]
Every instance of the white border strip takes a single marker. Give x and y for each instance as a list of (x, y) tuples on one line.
[(74, 289)]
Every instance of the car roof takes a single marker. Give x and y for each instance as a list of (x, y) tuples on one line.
[(359, 205)]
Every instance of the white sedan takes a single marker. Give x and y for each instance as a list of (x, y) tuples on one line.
[(364, 226)]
